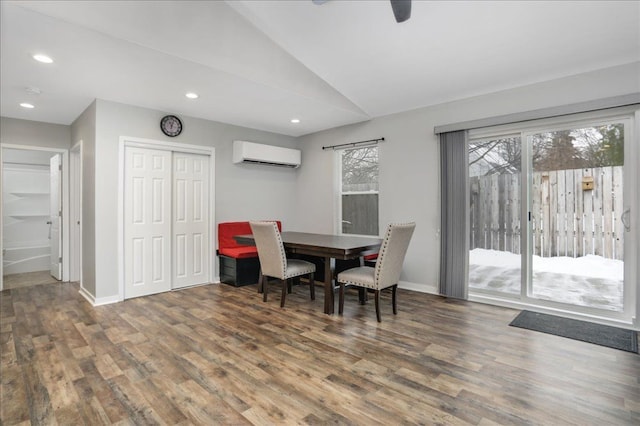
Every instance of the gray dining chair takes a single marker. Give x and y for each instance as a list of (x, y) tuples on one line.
[(274, 262), (386, 273)]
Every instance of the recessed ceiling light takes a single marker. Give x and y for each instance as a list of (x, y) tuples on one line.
[(295, 120), (192, 95), (43, 58), (27, 105)]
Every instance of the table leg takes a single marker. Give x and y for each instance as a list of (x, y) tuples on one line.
[(362, 296), (328, 287), (362, 292)]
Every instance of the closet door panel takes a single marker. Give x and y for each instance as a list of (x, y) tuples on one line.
[(190, 219), (147, 216)]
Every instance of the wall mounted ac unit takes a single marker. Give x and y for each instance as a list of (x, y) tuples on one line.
[(256, 153)]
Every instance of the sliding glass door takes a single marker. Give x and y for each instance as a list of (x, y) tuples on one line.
[(495, 215), (577, 231), (549, 216)]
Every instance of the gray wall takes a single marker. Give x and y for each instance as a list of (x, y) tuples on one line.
[(304, 199), (409, 171), (34, 133), (242, 192)]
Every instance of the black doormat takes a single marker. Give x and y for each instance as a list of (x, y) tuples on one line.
[(603, 335)]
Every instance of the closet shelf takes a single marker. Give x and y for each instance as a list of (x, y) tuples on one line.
[(29, 194), (27, 216)]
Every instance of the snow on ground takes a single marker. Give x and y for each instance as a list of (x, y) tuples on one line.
[(585, 281)]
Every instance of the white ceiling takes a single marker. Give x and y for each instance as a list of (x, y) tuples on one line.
[(260, 63)]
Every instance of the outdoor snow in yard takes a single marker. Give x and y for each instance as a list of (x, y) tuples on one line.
[(584, 281)]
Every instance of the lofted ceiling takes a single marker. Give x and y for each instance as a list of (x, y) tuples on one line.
[(261, 63)]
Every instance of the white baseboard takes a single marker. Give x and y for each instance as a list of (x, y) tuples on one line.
[(421, 288), (98, 301)]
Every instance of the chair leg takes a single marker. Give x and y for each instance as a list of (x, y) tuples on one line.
[(341, 299), (285, 285), (265, 288), (260, 282), (312, 286), (290, 285), (393, 299), (377, 296)]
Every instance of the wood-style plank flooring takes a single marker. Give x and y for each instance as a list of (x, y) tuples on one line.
[(27, 279), (219, 355)]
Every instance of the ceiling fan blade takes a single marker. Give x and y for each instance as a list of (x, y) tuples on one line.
[(401, 9)]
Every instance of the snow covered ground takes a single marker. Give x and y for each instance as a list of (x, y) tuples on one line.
[(585, 281)]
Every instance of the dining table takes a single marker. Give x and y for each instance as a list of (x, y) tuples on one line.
[(328, 247)]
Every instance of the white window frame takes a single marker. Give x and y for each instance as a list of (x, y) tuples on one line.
[(338, 185)]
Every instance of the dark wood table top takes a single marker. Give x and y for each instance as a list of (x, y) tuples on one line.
[(323, 245)]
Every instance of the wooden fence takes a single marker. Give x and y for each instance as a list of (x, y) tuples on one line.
[(566, 220), (360, 214)]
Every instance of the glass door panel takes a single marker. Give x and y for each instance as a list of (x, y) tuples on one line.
[(576, 205), (495, 212)]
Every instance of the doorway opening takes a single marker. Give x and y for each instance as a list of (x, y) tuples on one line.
[(33, 216)]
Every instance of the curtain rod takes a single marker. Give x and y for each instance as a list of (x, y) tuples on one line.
[(353, 143)]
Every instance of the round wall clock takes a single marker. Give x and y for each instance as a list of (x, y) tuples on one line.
[(171, 125)]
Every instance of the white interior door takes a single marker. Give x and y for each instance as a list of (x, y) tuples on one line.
[(147, 222), (55, 216), (190, 219)]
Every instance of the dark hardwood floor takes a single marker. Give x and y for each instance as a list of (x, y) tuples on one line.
[(219, 355)]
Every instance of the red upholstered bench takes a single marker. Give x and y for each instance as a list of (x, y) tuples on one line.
[(239, 265), (370, 259)]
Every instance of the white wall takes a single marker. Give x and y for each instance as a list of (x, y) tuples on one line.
[(242, 192), (409, 159)]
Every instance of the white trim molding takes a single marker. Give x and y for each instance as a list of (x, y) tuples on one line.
[(419, 287), (99, 301)]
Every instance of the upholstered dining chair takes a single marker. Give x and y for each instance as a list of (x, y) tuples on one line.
[(386, 273), (274, 262)]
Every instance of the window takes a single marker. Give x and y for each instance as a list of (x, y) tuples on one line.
[(358, 174)]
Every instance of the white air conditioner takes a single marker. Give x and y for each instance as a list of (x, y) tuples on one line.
[(256, 153)]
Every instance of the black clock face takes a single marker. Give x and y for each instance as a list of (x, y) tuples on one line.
[(171, 125)]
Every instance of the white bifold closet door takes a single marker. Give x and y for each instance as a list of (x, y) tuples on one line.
[(190, 219), (166, 229)]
